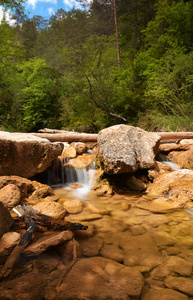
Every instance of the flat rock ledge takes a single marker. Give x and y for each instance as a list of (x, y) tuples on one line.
[(26, 155)]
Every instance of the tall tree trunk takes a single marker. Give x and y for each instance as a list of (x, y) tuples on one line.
[(117, 33), (136, 28)]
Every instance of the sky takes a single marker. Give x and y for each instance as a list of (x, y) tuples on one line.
[(46, 8)]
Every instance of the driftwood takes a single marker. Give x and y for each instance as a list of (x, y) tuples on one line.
[(33, 218), (175, 135), (69, 137), (55, 135)]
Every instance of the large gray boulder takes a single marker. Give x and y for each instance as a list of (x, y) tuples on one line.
[(124, 148), (25, 155)]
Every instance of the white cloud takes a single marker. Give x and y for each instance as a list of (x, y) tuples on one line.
[(50, 11), (33, 2), (7, 15), (71, 3)]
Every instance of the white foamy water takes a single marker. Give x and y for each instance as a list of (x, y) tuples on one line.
[(172, 165)]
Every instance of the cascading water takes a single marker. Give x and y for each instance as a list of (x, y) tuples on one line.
[(63, 175), (162, 158)]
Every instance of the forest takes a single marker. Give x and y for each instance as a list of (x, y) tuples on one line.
[(111, 62)]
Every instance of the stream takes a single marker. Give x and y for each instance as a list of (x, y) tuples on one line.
[(131, 250), (126, 229)]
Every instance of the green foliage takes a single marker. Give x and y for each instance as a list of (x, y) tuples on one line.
[(40, 95), (63, 73)]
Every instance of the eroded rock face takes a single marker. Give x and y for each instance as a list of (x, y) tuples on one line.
[(25, 155), (125, 149), (176, 187), (184, 159), (5, 219)]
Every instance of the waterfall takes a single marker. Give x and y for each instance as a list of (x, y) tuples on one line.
[(61, 174), (162, 158)]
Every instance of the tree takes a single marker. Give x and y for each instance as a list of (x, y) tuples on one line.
[(39, 95)]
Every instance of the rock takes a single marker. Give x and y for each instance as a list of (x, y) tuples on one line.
[(25, 186), (7, 242), (48, 241), (76, 185), (163, 238), (176, 187), (82, 161), (140, 251), (174, 147), (79, 147), (25, 155), (41, 190), (73, 206), (68, 151), (183, 158), (6, 221), (101, 278), (45, 264), (172, 264), (52, 209), (90, 247), (135, 184), (163, 294), (108, 224), (182, 284), (28, 286), (156, 220), (10, 195), (83, 217), (124, 148), (160, 206), (125, 206), (112, 252), (66, 251), (94, 209)]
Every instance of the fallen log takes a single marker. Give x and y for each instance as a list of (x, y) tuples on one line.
[(55, 135), (175, 135), (68, 137)]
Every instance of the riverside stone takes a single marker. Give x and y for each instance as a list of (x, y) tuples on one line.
[(182, 284), (7, 242), (52, 209), (48, 241), (68, 151), (6, 219), (25, 155), (91, 247), (172, 264), (112, 252), (82, 161), (73, 206), (101, 278), (10, 195), (141, 251), (25, 186), (124, 148), (79, 147), (164, 294), (176, 187), (183, 158)]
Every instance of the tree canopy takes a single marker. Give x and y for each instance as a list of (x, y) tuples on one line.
[(62, 72)]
